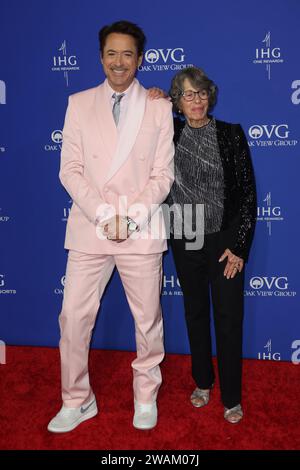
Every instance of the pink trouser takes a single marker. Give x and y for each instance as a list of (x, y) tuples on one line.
[(86, 278)]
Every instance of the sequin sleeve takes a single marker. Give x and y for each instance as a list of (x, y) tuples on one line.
[(247, 190)]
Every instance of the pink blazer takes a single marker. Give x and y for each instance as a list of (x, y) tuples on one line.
[(131, 172)]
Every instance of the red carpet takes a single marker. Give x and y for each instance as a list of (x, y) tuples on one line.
[(30, 396)]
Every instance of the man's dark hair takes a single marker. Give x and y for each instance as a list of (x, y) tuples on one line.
[(123, 27)]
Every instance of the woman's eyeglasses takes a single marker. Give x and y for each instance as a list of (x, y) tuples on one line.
[(190, 95)]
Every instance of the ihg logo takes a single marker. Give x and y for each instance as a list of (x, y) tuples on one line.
[(2, 92)]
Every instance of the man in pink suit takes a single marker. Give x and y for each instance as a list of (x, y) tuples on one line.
[(117, 165)]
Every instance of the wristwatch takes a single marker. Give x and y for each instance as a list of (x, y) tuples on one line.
[(132, 225)]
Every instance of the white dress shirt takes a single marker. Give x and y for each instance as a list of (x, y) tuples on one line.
[(123, 103)]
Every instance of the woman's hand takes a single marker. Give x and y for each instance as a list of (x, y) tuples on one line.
[(155, 93), (234, 263)]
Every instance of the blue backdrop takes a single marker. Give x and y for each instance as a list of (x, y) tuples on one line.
[(48, 50)]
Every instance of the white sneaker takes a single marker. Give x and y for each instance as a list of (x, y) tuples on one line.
[(145, 415), (69, 418)]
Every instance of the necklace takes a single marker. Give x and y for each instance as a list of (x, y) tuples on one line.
[(202, 125)]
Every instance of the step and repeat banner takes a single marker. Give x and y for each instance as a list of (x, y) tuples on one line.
[(49, 50)]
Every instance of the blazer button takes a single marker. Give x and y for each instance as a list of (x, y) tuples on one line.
[(142, 157), (132, 189), (95, 156), (106, 190)]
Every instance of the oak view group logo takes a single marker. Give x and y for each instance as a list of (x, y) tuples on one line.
[(270, 135), (269, 286), (60, 290), (56, 141), (163, 60)]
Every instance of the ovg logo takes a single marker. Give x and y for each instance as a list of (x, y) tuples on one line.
[(161, 60), (268, 55), (152, 56), (60, 290), (65, 62), (255, 132), (280, 282), (57, 136), (279, 130), (2, 92), (270, 135), (269, 286), (256, 282)]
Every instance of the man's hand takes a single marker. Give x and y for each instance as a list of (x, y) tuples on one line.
[(234, 263), (155, 93), (116, 228)]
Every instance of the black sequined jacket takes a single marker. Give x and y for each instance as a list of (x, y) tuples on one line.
[(240, 205)]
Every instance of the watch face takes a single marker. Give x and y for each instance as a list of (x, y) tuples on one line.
[(132, 226)]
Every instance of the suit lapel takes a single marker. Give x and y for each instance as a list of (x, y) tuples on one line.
[(130, 129)]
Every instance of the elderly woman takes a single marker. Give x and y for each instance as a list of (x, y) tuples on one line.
[(212, 168)]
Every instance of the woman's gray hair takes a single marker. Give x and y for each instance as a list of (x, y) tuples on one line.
[(199, 80)]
